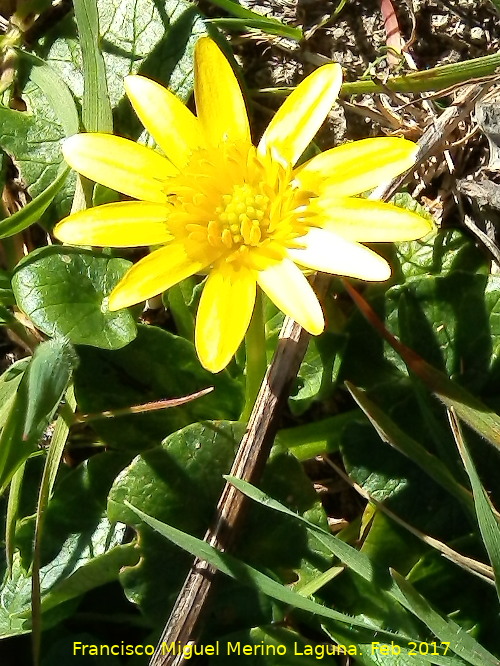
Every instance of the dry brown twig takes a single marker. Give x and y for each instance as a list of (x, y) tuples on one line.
[(183, 625)]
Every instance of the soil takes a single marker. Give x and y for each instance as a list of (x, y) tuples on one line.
[(432, 33)]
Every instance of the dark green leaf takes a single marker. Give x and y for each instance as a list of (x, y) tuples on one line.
[(155, 366)]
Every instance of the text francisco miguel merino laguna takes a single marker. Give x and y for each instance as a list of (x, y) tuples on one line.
[(229, 648)]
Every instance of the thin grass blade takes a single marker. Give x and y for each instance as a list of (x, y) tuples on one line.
[(489, 525), (246, 574), (389, 432), (96, 111), (462, 643)]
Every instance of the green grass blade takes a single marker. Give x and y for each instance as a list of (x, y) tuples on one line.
[(54, 455), (428, 80), (96, 111), (486, 518), (11, 515), (271, 25), (312, 586), (436, 78), (32, 212), (55, 90), (462, 643), (389, 432), (363, 566), (246, 574)]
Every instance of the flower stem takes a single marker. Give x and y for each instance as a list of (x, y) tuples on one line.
[(256, 363)]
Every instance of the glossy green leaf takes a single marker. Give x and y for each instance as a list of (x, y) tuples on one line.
[(62, 289), (74, 570), (34, 146)]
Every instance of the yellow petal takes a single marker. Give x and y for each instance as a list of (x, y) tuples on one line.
[(370, 221), (155, 273), (301, 115), (224, 314), (174, 128), (327, 252), (288, 288), (357, 167), (219, 102), (126, 224), (120, 164)]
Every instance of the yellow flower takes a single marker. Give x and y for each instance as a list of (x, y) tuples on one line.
[(241, 213)]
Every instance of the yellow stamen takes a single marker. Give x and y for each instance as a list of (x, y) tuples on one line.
[(251, 203)]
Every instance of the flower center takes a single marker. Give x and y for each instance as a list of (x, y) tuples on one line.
[(241, 219), (232, 204)]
